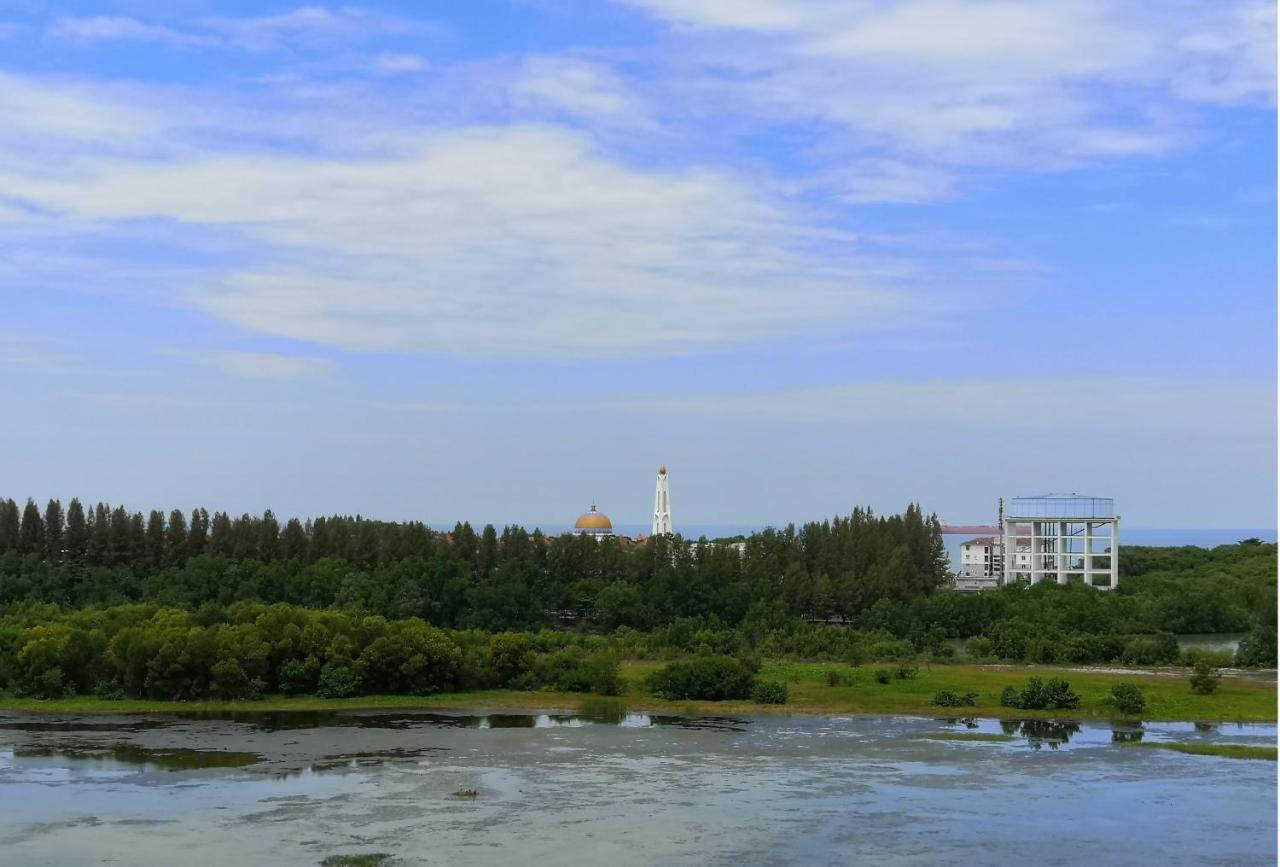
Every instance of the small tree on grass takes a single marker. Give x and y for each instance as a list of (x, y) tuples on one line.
[(1038, 695), (1128, 699), (769, 692), (947, 698), (1205, 679)]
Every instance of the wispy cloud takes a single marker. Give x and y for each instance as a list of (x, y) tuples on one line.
[(257, 365), (1040, 85), (509, 240), (580, 88), (306, 27)]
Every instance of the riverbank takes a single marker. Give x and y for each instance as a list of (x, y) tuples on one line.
[(1169, 697)]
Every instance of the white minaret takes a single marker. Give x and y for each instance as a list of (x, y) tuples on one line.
[(662, 505)]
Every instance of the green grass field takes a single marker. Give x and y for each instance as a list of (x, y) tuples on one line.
[(1169, 697)]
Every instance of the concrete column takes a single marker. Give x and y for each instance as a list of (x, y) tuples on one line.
[(1115, 553)]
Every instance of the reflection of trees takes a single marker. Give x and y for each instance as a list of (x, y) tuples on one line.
[(1126, 736), (966, 721), (1207, 727), (1039, 732)]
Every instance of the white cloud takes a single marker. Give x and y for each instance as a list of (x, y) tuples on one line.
[(1039, 84), (307, 27), (481, 241), (257, 365), (580, 88), (105, 28)]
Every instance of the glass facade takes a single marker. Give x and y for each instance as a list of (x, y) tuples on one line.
[(1061, 506)]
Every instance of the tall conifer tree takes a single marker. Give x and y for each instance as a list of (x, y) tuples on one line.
[(31, 536), (77, 530), (54, 536)]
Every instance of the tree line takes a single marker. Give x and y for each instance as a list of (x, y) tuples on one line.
[(513, 579)]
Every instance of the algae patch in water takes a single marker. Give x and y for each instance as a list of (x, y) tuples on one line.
[(178, 759), (1230, 751), (371, 859)]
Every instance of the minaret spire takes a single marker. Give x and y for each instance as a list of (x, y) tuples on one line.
[(662, 505)]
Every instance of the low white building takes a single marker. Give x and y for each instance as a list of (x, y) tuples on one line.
[(980, 567)]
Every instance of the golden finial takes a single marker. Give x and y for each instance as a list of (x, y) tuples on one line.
[(662, 470)]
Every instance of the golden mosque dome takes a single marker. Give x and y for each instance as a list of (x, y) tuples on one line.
[(594, 520)]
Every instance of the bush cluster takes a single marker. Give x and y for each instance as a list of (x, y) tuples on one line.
[(708, 678), (947, 698), (1204, 680), (1038, 695), (249, 649), (1128, 699)]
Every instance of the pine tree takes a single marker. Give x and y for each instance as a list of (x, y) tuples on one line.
[(120, 544), (293, 544), (77, 531), (9, 525), (31, 535), (155, 537), (268, 537), (175, 543), (198, 538), (99, 535), (54, 534), (220, 541)]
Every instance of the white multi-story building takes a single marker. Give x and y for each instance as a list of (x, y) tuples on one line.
[(1063, 538), (979, 564)]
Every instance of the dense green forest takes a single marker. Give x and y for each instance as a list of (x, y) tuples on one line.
[(175, 606), (487, 580)]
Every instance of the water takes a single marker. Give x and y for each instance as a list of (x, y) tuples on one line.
[(561, 788)]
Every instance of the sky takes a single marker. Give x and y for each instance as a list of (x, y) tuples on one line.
[(491, 261)]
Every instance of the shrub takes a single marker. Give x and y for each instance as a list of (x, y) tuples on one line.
[(892, 650), (839, 678), (1193, 656), (979, 647), (713, 678), (575, 670), (883, 675), (1160, 649), (510, 655), (906, 671), (1038, 695), (1258, 648), (769, 692), (947, 698), (1059, 695), (944, 651), (293, 678), (1205, 679), (339, 681), (1128, 699)]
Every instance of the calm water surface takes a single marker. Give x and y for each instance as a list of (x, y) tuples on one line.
[(555, 789)]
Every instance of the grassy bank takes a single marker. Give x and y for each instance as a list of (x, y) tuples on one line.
[(1168, 698)]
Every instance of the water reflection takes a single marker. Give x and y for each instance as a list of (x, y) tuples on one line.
[(1041, 732), (147, 759)]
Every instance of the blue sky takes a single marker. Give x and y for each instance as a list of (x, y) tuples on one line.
[(492, 260)]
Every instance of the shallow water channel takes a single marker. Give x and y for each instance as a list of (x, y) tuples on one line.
[(474, 788)]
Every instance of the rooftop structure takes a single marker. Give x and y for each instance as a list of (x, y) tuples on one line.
[(1062, 537), (593, 523)]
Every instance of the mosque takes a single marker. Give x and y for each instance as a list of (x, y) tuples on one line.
[(596, 524)]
